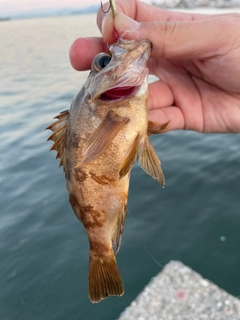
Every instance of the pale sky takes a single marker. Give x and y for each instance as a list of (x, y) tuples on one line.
[(19, 6)]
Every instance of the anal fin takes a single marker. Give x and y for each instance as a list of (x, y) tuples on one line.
[(150, 162), (119, 227)]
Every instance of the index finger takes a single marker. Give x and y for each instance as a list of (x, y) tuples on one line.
[(141, 12)]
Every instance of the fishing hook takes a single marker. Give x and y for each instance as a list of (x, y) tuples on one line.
[(112, 6), (107, 9)]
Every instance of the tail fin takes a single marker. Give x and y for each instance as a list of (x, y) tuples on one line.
[(104, 278)]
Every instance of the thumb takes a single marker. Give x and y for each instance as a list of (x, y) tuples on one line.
[(197, 39)]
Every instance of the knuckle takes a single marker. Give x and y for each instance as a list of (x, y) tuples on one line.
[(164, 30)]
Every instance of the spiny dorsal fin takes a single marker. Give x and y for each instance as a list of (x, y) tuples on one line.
[(131, 157), (59, 136), (103, 136), (154, 127), (150, 162)]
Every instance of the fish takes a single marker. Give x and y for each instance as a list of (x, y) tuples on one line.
[(98, 141)]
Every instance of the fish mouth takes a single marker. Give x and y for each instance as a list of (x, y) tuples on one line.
[(119, 93)]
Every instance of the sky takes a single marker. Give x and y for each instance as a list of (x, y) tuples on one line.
[(20, 6)]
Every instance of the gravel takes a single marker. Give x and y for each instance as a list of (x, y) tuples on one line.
[(179, 293)]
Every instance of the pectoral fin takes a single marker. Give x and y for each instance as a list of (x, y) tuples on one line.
[(59, 136), (150, 162), (103, 136), (154, 127), (131, 157)]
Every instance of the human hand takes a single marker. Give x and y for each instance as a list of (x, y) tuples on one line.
[(195, 57)]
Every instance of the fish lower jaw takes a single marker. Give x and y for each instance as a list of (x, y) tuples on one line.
[(119, 93)]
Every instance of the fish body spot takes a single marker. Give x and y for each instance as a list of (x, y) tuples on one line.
[(103, 180), (91, 218), (80, 174)]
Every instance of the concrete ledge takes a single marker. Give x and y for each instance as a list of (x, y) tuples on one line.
[(179, 293)]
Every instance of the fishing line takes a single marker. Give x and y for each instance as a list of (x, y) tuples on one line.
[(158, 263), (128, 212), (132, 30)]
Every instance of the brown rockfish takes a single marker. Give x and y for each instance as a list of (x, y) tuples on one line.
[(97, 141)]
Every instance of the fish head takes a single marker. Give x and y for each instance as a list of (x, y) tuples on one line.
[(121, 73)]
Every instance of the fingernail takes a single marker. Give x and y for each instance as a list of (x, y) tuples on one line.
[(123, 22), (107, 25), (103, 23)]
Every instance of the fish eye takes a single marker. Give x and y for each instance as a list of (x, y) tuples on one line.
[(100, 61)]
